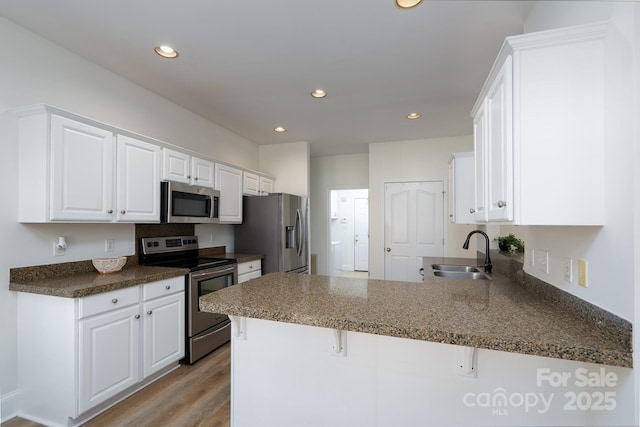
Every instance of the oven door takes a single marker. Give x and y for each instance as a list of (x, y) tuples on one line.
[(204, 282)]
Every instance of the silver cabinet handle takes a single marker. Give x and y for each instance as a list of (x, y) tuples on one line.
[(188, 176), (149, 312), (450, 215), (110, 211), (501, 204), (195, 179), (472, 211), (115, 300), (137, 316), (123, 212)]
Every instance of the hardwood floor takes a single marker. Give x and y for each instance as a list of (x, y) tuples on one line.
[(192, 395)]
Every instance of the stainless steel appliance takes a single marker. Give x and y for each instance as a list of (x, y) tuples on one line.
[(204, 331), (276, 226), (181, 203)]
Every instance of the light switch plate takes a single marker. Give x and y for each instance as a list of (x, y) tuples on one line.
[(542, 261), (583, 273)]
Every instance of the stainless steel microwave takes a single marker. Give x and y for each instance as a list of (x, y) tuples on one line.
[(181, 203)]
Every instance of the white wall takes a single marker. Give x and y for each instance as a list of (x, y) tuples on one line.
[(290, 163), (331, 173), (35, 71), (611, 251), (419, 160)]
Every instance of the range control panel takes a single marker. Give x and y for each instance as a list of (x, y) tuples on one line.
[(156, 245)]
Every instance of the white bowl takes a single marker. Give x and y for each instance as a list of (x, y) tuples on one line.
[(109, 265)]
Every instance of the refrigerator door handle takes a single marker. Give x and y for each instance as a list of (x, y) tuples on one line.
[(299, 228)]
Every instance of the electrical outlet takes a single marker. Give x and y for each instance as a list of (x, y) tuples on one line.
[(108, 245), (568, 270), (542, 261), (583, 273), (57, 250)]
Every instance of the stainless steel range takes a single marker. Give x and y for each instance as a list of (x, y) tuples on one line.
[(204, 331)]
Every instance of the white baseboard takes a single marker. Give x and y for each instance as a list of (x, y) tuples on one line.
[(9, 405)]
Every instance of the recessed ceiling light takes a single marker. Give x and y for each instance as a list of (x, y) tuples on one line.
[(166, 51), (414, 116), (280, 129), (318, 93), (407, 4)]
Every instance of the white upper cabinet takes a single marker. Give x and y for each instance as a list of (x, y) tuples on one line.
[(176, 166), (229, 182), (461, 188), (81, 171), (202, 172), (539, 130), (256, 185), (181, 167), (138, 180), (71, 169)]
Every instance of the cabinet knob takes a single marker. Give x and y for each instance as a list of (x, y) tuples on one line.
[(501, 204), (188, 176), (123, 212), (137, 316), (472, 211), (450, 215), (110, 211), (388, 249), (149, 312), (195, 179), (115, 300), (167, 287)]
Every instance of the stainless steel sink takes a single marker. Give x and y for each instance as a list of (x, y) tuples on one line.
[(452, 267), (474, 275)]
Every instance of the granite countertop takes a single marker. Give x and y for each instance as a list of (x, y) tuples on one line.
[(243, 257), (495, 314), (82, 284)]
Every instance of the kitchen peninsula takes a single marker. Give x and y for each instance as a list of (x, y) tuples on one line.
[(315, 349)]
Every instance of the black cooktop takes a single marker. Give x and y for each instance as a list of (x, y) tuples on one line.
[(177, 251)]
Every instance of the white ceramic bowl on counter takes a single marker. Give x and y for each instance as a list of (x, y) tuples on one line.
[(109, 265)]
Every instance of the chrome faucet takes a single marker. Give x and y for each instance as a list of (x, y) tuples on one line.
[(487, 259)]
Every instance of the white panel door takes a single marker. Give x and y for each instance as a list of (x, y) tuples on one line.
[(413, 227), (109, 355), (176, 166), (229, 182), (163, 332), (361, 231), (138, 181), (82, 171), (202, 172)]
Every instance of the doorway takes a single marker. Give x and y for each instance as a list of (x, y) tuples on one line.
[(349, 233)]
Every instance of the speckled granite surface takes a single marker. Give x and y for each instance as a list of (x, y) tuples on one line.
[(80, 279), (497, 314)]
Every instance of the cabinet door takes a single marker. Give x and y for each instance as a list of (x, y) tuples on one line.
[(500, 138), (251, 183), (109, 355), (229, 183), (138, 181), (461, 188), (176, 166), (202, 172), (81, 171), (163, 332), (266, 185), (480, 148)]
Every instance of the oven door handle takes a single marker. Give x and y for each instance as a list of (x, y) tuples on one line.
[(216, 272)]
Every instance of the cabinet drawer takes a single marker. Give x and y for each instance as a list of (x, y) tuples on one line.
[(163, 287), (101, 303), (247, 267), (248, 276)]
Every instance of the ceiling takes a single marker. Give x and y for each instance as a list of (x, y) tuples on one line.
[(250, 65)]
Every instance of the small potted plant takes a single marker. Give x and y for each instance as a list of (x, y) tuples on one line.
[(510, 243)]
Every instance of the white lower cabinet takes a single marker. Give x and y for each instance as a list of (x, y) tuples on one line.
[(249, 270), (79, 356)]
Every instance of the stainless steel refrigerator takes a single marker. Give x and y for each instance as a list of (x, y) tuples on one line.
[(275, 226)]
